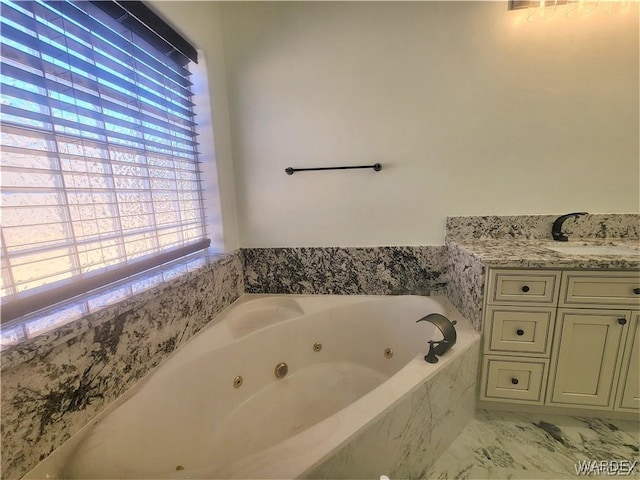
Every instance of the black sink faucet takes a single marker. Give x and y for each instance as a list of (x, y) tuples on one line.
[(556, 230)]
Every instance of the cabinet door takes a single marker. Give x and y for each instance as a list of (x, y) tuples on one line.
[(587, 357), (629, 385)]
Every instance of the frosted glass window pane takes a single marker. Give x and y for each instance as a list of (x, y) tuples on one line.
[(92, 212), (134, 197), (12, 199), (25, 160), (89, 198), (131, 183), (29, 179), (170, 239), (160, 197), (133, 170), (57, 317), (159, 161), (21, 287), (21, 216), (93, 167), (92, 228), (174, 272), (160, 184), (161, 173), (44, 234), (128, 209), (127, 156), (12, 336), (137, 222), (54, 255), (38, 269), (87, 181), (167, 217), (23, 141), (112, 296)]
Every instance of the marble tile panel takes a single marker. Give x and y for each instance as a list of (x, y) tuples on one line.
[(497, 445), (465, 283), (405, 442), (55, 384), (621, 225), (347, 271)]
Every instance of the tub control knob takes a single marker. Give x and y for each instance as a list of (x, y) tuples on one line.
[(514, 381)]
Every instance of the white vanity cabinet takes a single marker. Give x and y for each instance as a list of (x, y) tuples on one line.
[(562, 339)]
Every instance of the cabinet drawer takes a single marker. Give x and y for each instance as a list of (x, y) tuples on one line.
[(514, 379), (524, 287), (516, 330), (605, 289)]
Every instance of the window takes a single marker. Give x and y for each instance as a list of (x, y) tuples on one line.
[(100, 174)]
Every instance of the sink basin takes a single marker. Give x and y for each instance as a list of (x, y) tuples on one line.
[(582, 248)]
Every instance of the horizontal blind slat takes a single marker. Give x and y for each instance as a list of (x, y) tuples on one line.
[(10, 71), (99, 51), (61, 62), (49, 103), (53, 124), (82, 15)]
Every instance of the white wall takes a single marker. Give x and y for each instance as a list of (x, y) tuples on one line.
[(199, 22), (471, 109)]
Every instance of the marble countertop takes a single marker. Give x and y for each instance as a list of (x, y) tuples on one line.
[(534, 253)]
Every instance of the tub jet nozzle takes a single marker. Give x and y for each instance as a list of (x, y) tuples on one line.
[(281, 370)]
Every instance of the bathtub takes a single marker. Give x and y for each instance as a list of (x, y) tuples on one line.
[(216, 409)]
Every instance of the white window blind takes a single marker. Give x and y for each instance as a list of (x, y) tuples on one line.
[(100, 175)]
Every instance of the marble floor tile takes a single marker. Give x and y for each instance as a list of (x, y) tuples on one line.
[(501, 445)]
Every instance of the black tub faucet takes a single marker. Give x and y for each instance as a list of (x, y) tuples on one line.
[(448, 331), (556, 230)]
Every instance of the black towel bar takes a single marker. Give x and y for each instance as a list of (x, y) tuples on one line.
[(290, 170)]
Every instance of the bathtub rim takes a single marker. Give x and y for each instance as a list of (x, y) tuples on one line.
[(394, 390)]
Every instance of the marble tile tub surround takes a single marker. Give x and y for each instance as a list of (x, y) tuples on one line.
[(613, 225), (465, 283), (412, 270), (500, 445), (408, 440), (54, 384)]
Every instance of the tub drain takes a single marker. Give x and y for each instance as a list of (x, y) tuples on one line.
[(237, 382), (317, 347), (388, 352)]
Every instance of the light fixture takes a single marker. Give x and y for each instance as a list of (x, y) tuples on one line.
[(544, 9)]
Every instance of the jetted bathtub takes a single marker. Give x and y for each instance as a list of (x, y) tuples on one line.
[(225, 406)]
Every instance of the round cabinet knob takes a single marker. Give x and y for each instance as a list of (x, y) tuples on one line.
[(525, 289), (622, 321), (636, 291), (514, 381), (519, 332)]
